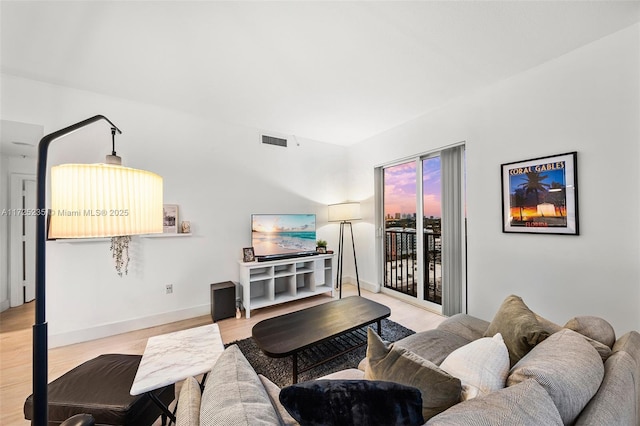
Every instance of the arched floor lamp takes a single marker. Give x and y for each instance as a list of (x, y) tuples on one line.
[(82, 189), (345, 213)]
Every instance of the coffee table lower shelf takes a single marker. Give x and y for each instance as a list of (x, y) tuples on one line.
[(324, 352)]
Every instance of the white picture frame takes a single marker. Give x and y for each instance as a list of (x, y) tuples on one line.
[(170, 219)]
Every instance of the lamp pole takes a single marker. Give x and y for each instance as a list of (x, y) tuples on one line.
[(40, 333), (341, 250)]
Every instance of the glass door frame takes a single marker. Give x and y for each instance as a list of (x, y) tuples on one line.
[(419, 299)]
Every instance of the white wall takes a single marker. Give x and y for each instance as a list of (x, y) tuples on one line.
[(8, 166), (217, 173), (585, 101)]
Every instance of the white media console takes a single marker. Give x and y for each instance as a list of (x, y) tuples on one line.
[(279, 281)]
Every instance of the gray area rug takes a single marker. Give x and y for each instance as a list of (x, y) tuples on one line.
[(279, 370)]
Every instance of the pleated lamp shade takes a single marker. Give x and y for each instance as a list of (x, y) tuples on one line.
[(104, 200)]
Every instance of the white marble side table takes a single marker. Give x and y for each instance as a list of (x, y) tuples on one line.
[(170, 358)]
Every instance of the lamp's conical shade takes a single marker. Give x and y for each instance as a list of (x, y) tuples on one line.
[(104, 200)]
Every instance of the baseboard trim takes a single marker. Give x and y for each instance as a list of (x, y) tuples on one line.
[(373, 288), (106, 330), (4, 305)]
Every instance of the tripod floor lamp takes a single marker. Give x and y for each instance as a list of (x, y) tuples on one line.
[(345, 213), (87, 191)]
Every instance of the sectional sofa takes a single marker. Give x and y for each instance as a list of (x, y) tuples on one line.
[(517, 369)]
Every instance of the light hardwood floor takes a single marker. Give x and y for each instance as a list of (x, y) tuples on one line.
[(16, 340)]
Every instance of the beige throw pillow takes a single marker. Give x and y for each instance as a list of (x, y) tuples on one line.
[(519, 328), (595, 328), (482, 366), (438, 388)]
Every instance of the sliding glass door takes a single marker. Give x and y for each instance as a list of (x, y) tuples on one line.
[(414, 207)]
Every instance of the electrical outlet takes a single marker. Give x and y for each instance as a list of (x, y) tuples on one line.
[(169, 288)]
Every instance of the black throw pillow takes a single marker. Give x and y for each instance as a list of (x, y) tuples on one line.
[(352, 402)]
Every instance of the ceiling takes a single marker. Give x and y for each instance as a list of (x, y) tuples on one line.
[(338, 72)]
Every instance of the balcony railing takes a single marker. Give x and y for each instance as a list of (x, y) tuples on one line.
[(401, 264)]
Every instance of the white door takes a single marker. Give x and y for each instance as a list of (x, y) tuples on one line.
[(22, 252), (29, 242)]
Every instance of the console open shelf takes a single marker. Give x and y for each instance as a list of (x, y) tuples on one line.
[(280, 281)]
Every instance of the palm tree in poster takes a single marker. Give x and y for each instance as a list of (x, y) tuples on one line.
[(519, 200), (534, 184), (557, 196)]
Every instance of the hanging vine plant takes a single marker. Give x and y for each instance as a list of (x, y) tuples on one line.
[(120, 252)]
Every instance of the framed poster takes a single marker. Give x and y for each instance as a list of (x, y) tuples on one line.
[(170, 218), (540, 196)]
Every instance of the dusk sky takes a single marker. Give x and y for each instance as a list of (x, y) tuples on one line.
[(552, 176), (400, 188), (283, 223)]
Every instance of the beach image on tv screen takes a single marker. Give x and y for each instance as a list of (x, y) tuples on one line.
[(283, 233)]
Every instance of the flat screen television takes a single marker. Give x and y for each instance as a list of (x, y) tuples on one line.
[(283, 235)]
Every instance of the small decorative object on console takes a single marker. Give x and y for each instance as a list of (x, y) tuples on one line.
[(321, 246), (248, 255)]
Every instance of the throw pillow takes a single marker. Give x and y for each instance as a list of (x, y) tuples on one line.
[(576, 324), (353, 402), (233, 394), (274, 394), (567, 367), (519, 328), (525, 404), (594, 327), (439, 389), (482, 366), (188, 409)]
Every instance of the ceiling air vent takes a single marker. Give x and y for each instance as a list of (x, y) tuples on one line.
[(271, 140)]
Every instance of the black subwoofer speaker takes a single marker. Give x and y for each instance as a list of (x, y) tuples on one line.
[(223, 300)]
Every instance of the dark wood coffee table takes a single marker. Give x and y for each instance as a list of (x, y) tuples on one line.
[(293, 333)]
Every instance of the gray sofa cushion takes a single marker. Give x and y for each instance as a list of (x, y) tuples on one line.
[(439, 389), (519, 328), (525, 404), (434, 345), (630, 343), (567, 367), (234, 394), (465, 326), (615, 403), (594, 327)]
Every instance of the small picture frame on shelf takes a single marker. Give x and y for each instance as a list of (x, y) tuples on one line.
[(170, 219), (248, 254)]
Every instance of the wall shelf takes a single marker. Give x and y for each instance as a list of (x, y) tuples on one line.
[(81, 240), (165, 235)]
